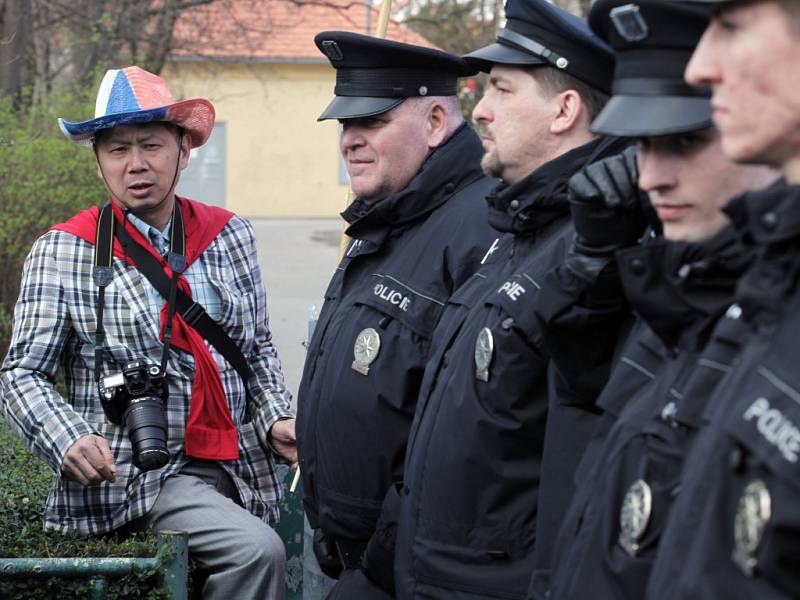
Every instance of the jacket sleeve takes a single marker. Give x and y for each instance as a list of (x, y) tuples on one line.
[(46, 422), (582, 322), (270, 399)]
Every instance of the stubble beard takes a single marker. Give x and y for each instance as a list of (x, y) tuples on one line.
[(491, 165)]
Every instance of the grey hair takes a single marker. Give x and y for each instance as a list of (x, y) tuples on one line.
[(450, 103)]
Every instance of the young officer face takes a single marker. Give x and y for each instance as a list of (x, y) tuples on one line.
[(383, 153), (514, 118), (750, 56), (689, 179), (138, 164)]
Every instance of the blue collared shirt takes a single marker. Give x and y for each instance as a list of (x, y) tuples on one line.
[(197, 276)]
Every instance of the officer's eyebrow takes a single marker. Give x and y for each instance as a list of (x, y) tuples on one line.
[(496, 80)]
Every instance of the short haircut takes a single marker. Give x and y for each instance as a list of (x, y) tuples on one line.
[(792, 10), (451, 104), (555, 82)]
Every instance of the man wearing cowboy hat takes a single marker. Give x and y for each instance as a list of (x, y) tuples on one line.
[(175, 397)]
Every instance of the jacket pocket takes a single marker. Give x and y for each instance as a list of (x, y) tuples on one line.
[(762, 510), (484, 571)]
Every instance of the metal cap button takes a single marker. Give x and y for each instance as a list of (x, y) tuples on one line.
[(769, 220), (514, 204), (637, 266)]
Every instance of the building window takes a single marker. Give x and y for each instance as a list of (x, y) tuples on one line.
[(204, 178)]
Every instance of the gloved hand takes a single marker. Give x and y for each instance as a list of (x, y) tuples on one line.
[(607, 205), (327, 555)]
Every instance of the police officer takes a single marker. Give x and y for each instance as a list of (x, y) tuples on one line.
[(468, 518), (419, 230), (680, 287), (734, 529)]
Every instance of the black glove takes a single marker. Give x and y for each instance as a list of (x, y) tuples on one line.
[(327, 555), (607, 205)]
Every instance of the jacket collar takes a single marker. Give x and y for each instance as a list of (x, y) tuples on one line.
[(769, 222), (767, 216), (681, 289), (541, 196)]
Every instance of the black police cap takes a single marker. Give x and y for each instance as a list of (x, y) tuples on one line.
[(374, 75), (539, 33), (653, 41)]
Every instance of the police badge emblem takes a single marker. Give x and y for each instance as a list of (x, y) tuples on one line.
[(365, 350), (634, 516), (752, 515), (484, 350)]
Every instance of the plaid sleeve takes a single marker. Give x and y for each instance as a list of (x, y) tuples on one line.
[(30, 402), (271, 399)]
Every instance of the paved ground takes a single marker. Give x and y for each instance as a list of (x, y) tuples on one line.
[(297, 258)]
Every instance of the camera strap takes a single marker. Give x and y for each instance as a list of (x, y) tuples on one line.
[(102, 274), (193, 313)]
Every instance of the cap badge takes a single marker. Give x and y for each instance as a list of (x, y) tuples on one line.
[(332, 50), (484, 350), (365, 350), (752, 515), (629, 23), (637, 506)]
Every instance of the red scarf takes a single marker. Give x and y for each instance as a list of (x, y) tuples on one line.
[(210, 430)]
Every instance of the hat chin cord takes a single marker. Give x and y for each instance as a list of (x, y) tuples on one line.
[(169, 190)]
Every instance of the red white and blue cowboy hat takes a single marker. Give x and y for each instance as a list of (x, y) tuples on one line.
[(132, 95)]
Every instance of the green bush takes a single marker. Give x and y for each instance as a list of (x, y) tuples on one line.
[(24, 484), (44, 179)]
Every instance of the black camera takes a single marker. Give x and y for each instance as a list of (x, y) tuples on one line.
[(134, 398)]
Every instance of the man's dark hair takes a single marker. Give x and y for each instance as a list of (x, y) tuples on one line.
[(792, 10), (555, 82)]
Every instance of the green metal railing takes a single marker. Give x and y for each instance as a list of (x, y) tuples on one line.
[(171, 560)]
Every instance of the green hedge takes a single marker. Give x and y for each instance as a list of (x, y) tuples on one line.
[(44, 179), (24, 484)]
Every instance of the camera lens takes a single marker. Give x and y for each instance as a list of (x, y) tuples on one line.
[(147, 427)]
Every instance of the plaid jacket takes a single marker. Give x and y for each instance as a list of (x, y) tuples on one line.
[(54, 329)]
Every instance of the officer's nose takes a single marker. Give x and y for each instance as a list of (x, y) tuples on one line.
[(656, 172), (703, 69), (350, 138), (481, 113)]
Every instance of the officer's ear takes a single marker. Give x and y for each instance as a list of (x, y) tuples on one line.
[(569, 111), (437, 119)]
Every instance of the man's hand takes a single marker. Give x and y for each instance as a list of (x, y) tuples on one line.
[(282, 438), (606, 205), (89, 461)]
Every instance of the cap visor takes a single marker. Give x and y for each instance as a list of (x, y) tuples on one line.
[(635, 116), (356, 107), (497, 53)]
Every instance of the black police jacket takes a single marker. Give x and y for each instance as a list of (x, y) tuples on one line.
[(631, 472), (468, 514), (409, 252), (734, 529)]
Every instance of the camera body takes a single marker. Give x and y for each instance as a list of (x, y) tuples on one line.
[(134, 398)]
